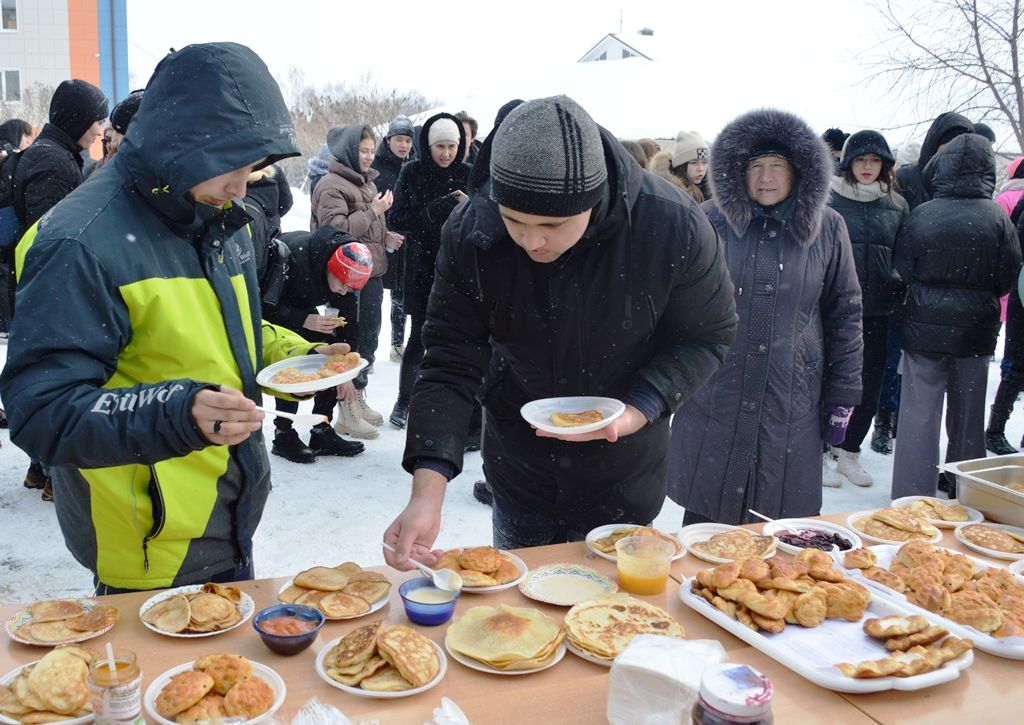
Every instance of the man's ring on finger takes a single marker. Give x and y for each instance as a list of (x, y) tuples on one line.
[(216, 426)]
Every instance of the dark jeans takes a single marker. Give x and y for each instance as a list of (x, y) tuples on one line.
[(889, 397), (516, 528), (323, 404), (238, 574), (364, 317), (876, 338), (411, 359)]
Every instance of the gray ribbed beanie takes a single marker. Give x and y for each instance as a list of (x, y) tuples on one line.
[(548, 159)]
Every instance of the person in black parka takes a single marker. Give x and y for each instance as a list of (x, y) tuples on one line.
[(268, 197), (428, 189), (959, 253)]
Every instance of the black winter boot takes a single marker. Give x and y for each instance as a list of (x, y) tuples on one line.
[(482, 493), (881, 440), (288, 445), (325, 442), (999, 413)]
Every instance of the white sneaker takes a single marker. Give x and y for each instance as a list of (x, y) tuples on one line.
[(397, 351), (830, 477), (367, 413), (351, 423), (848, 464)]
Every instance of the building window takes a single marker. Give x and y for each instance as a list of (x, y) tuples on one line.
[(9, 14), (10, 86)]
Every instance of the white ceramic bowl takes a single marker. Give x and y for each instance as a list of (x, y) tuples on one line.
[(782, 525)]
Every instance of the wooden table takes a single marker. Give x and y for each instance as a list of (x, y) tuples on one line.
[(573, 691)]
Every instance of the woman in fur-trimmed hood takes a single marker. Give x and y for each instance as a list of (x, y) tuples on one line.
[(751, 437)]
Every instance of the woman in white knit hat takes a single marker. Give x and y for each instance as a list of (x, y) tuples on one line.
[(686, 165)]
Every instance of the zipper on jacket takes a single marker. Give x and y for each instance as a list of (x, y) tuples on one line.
[(159, 515)]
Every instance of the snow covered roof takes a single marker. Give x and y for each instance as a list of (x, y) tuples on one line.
[(612, 47)]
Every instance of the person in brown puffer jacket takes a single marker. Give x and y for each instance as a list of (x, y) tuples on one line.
[(346, 198), (686, 165)]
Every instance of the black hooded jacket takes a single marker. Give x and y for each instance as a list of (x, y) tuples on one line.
[(49, 170), (306, 285), (959, 253), (909, 178), (388, 167)]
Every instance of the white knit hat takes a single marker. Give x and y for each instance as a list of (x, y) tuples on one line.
[(690, 146), (443, 129)]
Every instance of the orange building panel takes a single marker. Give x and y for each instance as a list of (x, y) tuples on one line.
[(84, 37)]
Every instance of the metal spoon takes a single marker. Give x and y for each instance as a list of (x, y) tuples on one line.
[(445, 579), (301, 418)]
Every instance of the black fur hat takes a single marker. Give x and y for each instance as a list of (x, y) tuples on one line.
[(863, 143), (835, 138)]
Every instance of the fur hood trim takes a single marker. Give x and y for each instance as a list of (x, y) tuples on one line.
[(267, 172), (660, 164), (809, 155)]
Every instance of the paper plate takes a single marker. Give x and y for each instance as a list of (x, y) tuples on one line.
[(258, 670), (783, 525), (306, 364), (695, 533), (990, 552), (565, 584), (375, 607), (246, 607), (12, 676), (538, 412), (321, 671), (22, 616), (875, 539), (608, 529), (520, 564), (481, 667), (1017, 567), (975, 516)]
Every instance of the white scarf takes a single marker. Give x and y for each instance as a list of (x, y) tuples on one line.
[(858, 192)]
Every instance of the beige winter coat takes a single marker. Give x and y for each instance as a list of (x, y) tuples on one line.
[(342, 199)]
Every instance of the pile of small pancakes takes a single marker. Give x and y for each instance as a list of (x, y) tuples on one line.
[(211, 609), (736, 545), (915, 643), (65, 620), (936, 510), (604, 626), (383, 659), (506, 638), (989, 537), (606, 544), (219, 686), (480, 566), (340, 592), (55, 688), (895, 524)]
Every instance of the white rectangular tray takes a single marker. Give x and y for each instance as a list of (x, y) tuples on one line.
[(1009, 647), (813, 652)]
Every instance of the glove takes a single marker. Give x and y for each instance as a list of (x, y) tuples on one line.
[(835, 418)]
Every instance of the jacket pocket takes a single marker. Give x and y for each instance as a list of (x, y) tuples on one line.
[(156, 498), (807, 362)]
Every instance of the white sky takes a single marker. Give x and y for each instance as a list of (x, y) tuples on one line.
[(718, 57)]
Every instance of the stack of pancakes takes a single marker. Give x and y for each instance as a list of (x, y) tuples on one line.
[(480, 566), (213, 608), (383, 659), (602, 627), (606, 544), (935, 510), (506, 638), (341, 592), (53, 689), (65, 620), (895, 524)]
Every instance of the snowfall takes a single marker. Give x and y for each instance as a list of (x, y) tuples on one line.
[(333, 510)]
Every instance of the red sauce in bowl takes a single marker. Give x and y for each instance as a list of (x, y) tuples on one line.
[(287, 626)]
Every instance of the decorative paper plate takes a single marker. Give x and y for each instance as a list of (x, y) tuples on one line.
[(565, 584), (877, 540), (306, 364), (608, 529), (321, 671), (538, 412), (520, 564), (975, 516), (246, 607), (23, 616), (481, 667), (995, 554), (374, 607), (696, 533), (11, 676), (782, 526), (258, 670)]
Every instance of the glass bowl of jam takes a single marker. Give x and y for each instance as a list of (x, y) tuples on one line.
[(288, 629)]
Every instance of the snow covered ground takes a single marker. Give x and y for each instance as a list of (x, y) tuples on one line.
[(328, 511)]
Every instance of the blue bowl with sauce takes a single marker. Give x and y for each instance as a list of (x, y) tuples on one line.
[(288, 628), (425, 603)]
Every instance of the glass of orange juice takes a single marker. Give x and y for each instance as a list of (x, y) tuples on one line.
[(643, 563)]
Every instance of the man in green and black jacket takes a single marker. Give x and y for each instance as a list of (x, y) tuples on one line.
[(141, 391)]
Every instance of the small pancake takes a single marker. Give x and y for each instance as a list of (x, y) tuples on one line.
[(210, 608), (339, 605), (312, 597), (53, 610), (387, 679), (52, 632), (409, 652), (170, 615), (370, 591), (571, 420), (291, 594), (100, 617), (183, 691), (472, 578), (60, 679), (367, 576), (364, 670), (249, 698), (357, 646), (323, 578), (349, 567)]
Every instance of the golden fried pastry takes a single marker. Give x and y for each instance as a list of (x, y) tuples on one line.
[(100, 617), (354, 675), (754, 569), (249, 698), (409, 652), (357, 646), (50, 632), (209, 608), (846, 600), (884, 530), (819, 565), (725, 574), (571, 420), (291, 593), (925, 636), (472, 578), (768, 625), (339, 605), (976, 610), (370, 591), (449, 560), (210, 707), (859, 559), (312, 597), (810, 608), (885, 578), (933, 597), (59, 680), (232, 594), (484, 559), (507, 572), (894, 626), (736, 544), (606, 544), (183, 691), (350, 568), (54, 609), (932, 508), (989, 537), (913, 554), (914, 661), (225, 669), (323, 578), (783, 567), (744, 618), (919, 577), (170, 615), (904, 520), (387, 679)]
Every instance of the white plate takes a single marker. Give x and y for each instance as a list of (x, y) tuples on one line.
[(874, 539), (608, 529), (523, 571), (538, 412), (306, 364), (990, 552), (565, 585), (1009, 647), (22, 616), (246, 607), (321, 671), (582, 654), (258, 670), (813, 652), (12, 676), (975, 516), (783, 525), (1017, 567), (375, 607), (695, 533), (481, 667)]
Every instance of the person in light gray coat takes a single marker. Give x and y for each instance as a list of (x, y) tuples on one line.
[(752, 437)]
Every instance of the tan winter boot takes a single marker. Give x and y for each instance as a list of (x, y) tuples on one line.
[(351, 423), (367, 413), (848, 464), (830, 477)]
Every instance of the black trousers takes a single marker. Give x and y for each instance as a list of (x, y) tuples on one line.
[(876, 336), (323, 404), (411, 359), (363, 312)]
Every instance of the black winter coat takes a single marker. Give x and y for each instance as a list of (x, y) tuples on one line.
[(49, 170), (959, 253), (305, 286), (873, 227), (267, 198), (422, 204), (642, 300), (909, 179), (388, 167)]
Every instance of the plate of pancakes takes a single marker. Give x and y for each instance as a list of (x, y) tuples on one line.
[(505, 640), (996, 540), (379, 661), (345, 591), (484, 568), (215, 687), (572, 415), (722, 543), (61, 621), (601, 541), (50, 690), (599, 629), (891, 525), (944, 514), (196, 610)]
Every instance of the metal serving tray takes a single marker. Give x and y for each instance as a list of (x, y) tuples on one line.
[(982, 484)]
